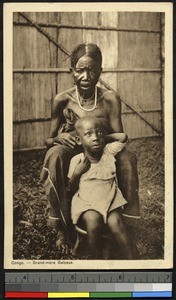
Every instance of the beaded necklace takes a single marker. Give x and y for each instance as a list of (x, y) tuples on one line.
[(79, 103)]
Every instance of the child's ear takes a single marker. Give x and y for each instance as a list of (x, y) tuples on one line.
[(78, 140)]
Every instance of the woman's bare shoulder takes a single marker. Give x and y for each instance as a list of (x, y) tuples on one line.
[(108, 96), (64, 96)]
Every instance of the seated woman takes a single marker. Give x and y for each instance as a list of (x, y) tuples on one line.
[(83, 100)]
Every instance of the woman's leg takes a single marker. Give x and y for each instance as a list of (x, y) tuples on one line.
[(54, 174), (94, 225), (120, 235), (127, 175)]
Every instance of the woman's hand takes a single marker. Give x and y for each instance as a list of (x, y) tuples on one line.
[(66, 139), (82, 167)]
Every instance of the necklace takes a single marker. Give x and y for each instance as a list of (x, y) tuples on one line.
[(79, 103), (87, 99)]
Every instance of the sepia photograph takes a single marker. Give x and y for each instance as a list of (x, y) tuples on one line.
[(88, 136)]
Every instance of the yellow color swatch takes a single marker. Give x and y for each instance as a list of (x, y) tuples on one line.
[(68, 295)]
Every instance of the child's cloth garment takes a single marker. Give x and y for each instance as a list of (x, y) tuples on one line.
[(98, 188)]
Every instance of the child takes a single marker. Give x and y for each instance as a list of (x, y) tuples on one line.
[(93, 184)]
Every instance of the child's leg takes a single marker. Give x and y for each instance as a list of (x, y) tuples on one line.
[(94, 224), (120, 235)]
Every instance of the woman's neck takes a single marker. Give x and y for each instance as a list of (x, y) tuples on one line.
[(86, 95)]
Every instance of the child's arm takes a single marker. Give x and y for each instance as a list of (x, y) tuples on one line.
[(120, 137), (115, 142), (73, 183)]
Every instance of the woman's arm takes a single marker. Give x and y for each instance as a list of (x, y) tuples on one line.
[(120, 137), (113, 105), (58, 105), (57, 120)]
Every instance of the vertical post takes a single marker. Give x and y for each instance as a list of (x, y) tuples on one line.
[(162, 65), (58, 19)]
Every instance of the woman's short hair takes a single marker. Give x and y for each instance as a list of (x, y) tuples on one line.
[(90, 49)]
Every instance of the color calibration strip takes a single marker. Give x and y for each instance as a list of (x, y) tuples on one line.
[(45, 295), (83, 284)]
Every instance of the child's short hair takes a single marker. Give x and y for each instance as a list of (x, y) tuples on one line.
[(100, 122), (90, 49)]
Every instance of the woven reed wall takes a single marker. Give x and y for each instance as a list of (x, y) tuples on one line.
[(132, 47)]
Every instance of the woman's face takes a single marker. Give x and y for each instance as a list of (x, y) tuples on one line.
[(86, 74)]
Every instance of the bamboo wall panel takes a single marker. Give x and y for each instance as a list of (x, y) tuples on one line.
[(138, 20), (102, 39), (125, 50), (36, 52), (17, 18), (39, 17), (139, 50), (69, 38), (111, 79), (135, 127), (64, 82), (31, 135), (109, 19), (107, 41), (140, 89), (33, 94)]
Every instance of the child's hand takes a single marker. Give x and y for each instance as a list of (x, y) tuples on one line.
[(82, 167)]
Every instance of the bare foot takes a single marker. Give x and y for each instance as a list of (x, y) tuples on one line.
[(61, 242)]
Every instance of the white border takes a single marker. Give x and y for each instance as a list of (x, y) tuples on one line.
[(9, 263)]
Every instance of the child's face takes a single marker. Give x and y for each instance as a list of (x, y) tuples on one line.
[(92, 137)]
